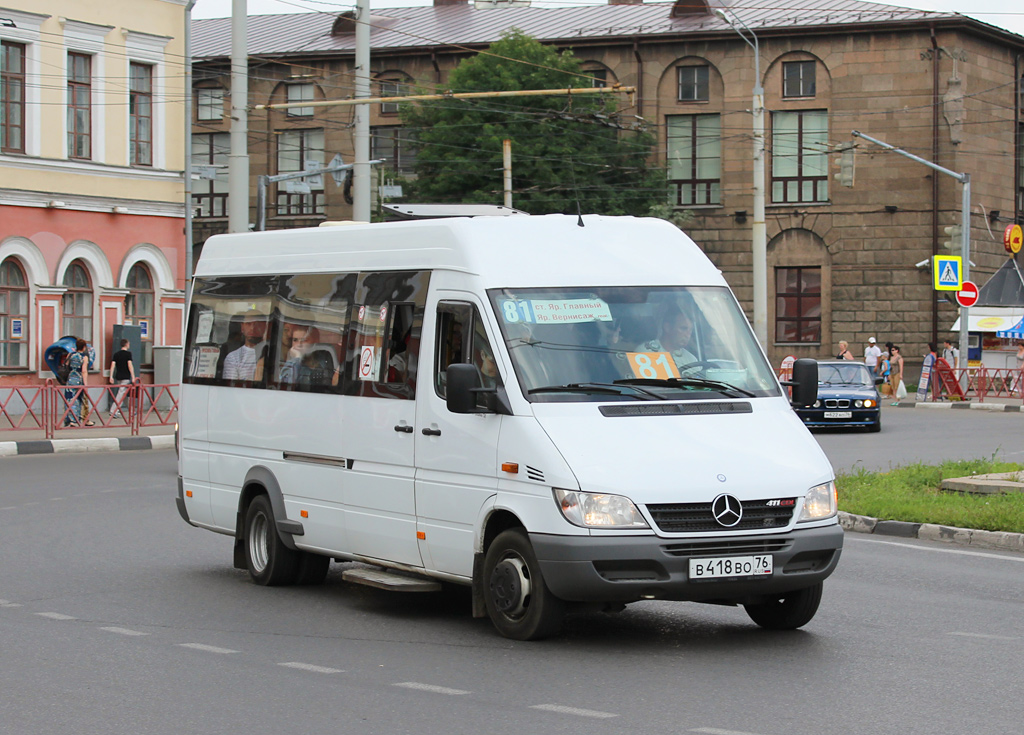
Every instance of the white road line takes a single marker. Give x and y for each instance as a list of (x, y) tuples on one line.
[(430, 688), (124, 631), (962, 552), (985, 635), (55, 616), (204, 647), (9, 507), (8, 603), (717, 731), (54, 500), (310, 667), (563, 710)]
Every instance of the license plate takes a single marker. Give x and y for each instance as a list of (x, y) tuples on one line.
[(839, 414), (731, 566)]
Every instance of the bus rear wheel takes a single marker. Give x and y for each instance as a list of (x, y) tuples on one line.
[(268, 560), (519, 603)]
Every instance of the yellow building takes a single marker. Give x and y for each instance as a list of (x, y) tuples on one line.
[(92, 116)]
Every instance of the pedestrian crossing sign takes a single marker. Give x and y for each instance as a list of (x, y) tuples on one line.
[(947, 270)]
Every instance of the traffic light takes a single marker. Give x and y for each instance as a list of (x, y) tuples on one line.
[(955, 233), (845, 162)]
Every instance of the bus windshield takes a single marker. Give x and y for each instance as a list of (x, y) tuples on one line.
[(631, 343)]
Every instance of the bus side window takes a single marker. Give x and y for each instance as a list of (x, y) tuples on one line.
[(454, 325)]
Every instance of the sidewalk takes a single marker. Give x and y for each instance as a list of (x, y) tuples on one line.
[(99, 439), (991, 403)]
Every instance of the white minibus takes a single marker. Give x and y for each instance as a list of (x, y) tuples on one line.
[(563, 413)]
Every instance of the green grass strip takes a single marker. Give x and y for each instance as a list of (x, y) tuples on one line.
[(912, 494)]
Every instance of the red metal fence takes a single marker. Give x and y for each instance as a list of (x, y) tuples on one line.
[(982, 383), (52, 407)]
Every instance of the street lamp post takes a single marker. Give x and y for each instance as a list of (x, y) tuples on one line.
[(759, 232)]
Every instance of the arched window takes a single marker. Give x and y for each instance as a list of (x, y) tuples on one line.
[(13, 315), (138, 308), (77, 302)]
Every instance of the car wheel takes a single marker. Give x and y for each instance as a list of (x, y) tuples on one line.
[(518, 601), (875, 427), (788, 611), (268, 560)]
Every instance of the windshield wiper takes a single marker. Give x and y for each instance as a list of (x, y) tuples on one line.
[(686, 383), (612, 388)]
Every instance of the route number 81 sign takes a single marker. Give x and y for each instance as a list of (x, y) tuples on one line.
[(653, 365)]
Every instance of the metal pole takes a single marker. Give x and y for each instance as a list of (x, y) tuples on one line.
[(238, 158), (965, 247), (759, 230), (506, 161), (188, 144), (361, 170), (261, 203)]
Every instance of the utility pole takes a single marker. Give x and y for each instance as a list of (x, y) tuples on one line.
[(506, 168), (965, 226), (361, 168), (238, 158)]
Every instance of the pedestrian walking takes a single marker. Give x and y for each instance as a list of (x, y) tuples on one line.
[(78, 378), (122, 373), (896, 374), (951, 354), (871, 355), (844, 351)]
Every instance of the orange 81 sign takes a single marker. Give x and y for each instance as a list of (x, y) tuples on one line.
[(1012, 237)]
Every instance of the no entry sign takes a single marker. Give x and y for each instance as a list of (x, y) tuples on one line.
[(968, 295)]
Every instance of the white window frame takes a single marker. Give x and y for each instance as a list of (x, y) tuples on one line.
[(27, 31), (146, 48), (215, 103), (88, 38), (300, 92)]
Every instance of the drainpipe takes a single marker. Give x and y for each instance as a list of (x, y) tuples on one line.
[(188, 143), (935, 179)]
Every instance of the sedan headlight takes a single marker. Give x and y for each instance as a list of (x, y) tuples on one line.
[(817, 404), (858, 403), (820, 503), (869, 403), (598, 510)]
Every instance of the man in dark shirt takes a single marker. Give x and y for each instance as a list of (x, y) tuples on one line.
[(122, 373)]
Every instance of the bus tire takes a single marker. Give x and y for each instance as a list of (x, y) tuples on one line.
[(789, 611), (312, 568), (519, 603), (268, 560)]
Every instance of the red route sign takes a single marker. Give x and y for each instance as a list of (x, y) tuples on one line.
[(968, 294)]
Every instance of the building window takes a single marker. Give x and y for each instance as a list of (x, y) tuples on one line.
[(798, 304), (695, 158), (798, 79), (295, 150), (79, 106), (13, 315), (138, 308), (300, 93), (209, 103), (210, 162), (77, 302), (800, 156), (12, 97), (395, 146), (391, 88), (693, 83), (598, 77), (140, 110), (1020, 171)]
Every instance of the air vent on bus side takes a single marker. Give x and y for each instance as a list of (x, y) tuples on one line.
[(534, 474)]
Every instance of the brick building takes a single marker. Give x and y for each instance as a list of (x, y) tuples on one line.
[(842, 262)]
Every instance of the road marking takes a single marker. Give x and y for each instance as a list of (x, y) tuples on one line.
[(430, 688), (124, 631), (55, 616), (717, 731), (985, 635), (8, 603), (204, 647), (54, 500), (938, 551), (9, 507), (310, 667), (561, 709)]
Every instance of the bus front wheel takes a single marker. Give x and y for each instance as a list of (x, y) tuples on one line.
[(518, 601)]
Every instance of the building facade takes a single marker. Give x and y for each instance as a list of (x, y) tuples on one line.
[(92, 209), (844, 262)]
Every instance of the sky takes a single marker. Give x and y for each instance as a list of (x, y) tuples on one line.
[(1008, 14)]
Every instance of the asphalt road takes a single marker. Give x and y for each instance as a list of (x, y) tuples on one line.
[(117, 617)]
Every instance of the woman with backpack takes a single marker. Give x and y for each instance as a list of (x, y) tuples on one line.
[(78, 362)]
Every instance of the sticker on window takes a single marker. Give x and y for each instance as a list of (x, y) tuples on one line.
[(203, 362), (555, 311), (653, 365)]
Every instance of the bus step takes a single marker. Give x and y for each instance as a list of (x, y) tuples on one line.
[(390, 581)]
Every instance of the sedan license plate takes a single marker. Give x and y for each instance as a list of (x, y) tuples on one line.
[(731, 566), (839, 414)]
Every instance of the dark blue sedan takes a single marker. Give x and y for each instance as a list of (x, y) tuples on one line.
[(847, 396)]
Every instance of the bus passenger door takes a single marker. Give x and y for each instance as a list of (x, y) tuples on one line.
[(456, 454)]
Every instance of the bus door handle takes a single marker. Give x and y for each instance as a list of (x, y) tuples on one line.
[(404, 428), (431, 432)]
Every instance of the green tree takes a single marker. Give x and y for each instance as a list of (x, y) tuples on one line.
[(564, 150)]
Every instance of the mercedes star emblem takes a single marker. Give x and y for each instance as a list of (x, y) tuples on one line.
[(727, 510)]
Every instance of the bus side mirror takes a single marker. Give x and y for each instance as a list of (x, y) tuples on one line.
[(805, 382), (462, 383)]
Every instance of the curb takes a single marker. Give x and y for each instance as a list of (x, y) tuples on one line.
[(963, 405), (66, 446), (1000, 540)]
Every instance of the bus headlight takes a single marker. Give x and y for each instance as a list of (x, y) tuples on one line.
[(598, 510), (820, 503)]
